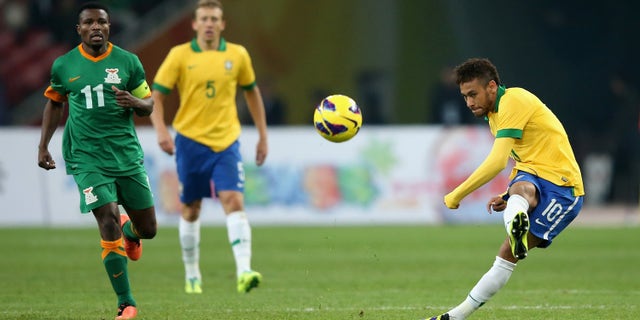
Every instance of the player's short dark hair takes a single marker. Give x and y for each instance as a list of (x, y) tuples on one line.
[(93, 5), (476, 68)]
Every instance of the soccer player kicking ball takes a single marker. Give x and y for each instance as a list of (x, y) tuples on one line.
[(545, 193), (103, 86)]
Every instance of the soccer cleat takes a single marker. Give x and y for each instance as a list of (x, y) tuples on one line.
[(440, 317), (193, 285), (126, 311), (518, 235), (248, 280), (133, 248)]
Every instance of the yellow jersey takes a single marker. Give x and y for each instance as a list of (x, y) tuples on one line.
[(541, 145), (207, 83)]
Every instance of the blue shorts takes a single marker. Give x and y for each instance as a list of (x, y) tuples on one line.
[(203, 172), (556, 208)]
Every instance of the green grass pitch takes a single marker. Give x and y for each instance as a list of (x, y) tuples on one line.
[(373, 272)]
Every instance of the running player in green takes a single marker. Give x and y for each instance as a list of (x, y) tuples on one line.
[(104, 86), (546, 191), (207, 72)]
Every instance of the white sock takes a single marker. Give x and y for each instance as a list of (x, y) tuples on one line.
[(515, 204), (489, 284), (239, 233), (190, 243)]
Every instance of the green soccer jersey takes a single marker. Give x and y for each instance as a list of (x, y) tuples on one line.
[(99, 135)]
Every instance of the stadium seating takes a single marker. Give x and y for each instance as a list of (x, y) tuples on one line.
[(26, 64)]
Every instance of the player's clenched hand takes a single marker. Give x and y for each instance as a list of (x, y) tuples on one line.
[(451, 202), (45, 160), (496, 204), (124, 98)]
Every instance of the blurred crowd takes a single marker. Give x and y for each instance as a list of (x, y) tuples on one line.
[(33, 33), (594, 91)]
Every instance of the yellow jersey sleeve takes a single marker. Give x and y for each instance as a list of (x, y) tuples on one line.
[(246, 75), (167, 75), (495, 162)]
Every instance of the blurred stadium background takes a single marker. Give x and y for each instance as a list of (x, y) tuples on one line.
[(389, 55)]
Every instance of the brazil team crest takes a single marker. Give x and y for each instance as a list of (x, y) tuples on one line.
[(228, 66)]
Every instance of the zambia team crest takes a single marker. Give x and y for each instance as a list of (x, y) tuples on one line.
[(112, 76), (89, 196)]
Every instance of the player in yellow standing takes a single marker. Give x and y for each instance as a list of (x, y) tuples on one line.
[(207, 71), (546, 191)]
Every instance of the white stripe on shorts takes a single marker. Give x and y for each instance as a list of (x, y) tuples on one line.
[(546, 234)]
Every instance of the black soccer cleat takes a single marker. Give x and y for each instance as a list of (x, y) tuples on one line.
[(518, 235)]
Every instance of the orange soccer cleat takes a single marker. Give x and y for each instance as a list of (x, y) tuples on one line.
[(126, 311), (133, 248)]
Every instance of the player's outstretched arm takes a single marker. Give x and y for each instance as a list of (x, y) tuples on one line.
[(495, 162)]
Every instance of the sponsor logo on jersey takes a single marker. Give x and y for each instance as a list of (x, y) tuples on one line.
[(74, 79), (112, 76), (228, 65)]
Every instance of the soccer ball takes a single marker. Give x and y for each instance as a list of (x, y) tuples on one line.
[(337, 118)]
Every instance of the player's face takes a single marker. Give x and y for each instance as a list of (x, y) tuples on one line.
[(208, 24), (480, 97), (93, 28)]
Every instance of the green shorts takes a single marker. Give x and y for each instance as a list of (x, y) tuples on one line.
[(97, 189)]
